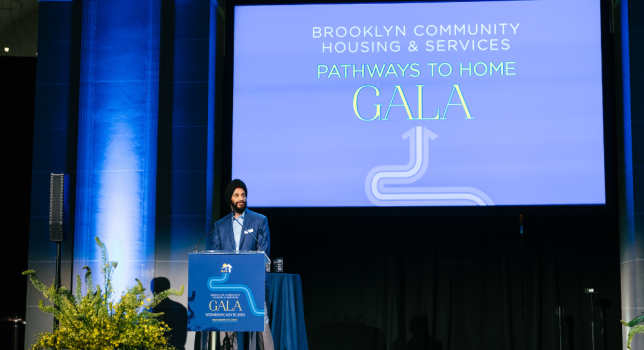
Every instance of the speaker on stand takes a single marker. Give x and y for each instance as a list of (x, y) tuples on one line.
[(592, 291), (58, 218)]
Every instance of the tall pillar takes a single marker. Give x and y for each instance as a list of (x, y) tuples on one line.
[(54, 147), (632, 190), (186, 173), (117, 138)]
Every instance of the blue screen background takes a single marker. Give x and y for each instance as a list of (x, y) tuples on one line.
[(534, 138)]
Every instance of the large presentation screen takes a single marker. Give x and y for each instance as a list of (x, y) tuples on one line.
[(419, 104)]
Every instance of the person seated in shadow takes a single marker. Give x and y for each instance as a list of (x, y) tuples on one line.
[(421, 340), (174, 314)]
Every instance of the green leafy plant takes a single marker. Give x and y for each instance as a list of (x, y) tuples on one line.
[(635, 328), (93, 321)]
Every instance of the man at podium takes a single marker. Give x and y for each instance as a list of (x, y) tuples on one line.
[(243, 229)]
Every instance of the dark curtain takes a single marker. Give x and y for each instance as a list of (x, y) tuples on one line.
[(19, 87), (454, 282)]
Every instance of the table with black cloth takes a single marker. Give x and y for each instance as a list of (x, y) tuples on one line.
[(286, 311)]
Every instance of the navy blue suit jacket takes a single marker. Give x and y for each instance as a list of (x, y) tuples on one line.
[(224, 239)]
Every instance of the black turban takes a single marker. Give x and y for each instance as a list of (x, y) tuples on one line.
[(230, 189)]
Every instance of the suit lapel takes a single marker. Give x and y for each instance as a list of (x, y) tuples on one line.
[(248, 224)]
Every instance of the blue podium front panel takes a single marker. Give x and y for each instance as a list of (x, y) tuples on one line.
[(226, 292)]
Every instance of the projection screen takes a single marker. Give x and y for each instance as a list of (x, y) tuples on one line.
[(419, 104)]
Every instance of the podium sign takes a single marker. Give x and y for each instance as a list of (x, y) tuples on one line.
[(226, 291)]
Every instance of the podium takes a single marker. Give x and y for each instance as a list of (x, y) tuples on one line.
[(226, 290)]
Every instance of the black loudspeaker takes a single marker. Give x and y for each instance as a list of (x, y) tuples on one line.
[(58, 206)]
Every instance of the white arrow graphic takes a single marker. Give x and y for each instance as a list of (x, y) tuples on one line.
[(381, 176)]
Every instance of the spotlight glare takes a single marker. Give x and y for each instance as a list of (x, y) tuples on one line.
[(6, 49)]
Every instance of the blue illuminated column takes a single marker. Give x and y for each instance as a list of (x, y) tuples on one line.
[(54, 147), (632, 174), (117, 138)]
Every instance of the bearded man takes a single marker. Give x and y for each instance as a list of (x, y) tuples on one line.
[(231, 235)]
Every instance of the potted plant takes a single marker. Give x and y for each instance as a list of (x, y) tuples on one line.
[(96, 321), (635, 328)]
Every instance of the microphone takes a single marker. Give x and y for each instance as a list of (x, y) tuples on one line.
[(211, 231), (247, 231)]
